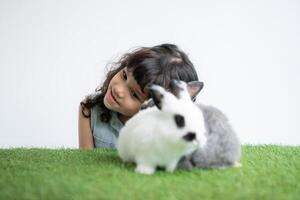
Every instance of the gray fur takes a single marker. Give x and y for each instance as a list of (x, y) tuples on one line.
[(222, 148)]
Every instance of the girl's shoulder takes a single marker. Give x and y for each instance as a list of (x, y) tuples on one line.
[(104, 133), (96, 112), (96, 121)]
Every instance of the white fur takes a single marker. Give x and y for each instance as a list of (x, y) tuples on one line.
[(151, 138)]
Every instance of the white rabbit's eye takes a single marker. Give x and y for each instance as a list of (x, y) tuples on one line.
[(179, 120)]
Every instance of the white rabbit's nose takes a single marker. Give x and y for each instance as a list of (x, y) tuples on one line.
[(190, 136)]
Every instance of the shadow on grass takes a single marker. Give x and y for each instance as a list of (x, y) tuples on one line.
[(113, 160)]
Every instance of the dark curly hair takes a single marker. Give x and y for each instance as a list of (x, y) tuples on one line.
[(149, 65)]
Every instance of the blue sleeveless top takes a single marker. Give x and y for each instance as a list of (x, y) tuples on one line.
[(105, 134)]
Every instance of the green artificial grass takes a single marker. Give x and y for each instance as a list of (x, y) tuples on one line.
[(268, 172)]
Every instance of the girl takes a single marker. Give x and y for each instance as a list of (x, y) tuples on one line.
[(103, 114)]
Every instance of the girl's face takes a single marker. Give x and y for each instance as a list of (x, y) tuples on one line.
[(124, 95)]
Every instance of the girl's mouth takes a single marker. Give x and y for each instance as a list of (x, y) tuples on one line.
[(113, 97)]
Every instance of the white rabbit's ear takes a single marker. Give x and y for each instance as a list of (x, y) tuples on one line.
[(157, 94), (194, 87), (177, 87)]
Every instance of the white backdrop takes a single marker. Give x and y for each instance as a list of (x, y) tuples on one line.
[(53, 52)]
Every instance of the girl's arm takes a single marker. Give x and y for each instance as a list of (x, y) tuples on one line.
[(86, 140)]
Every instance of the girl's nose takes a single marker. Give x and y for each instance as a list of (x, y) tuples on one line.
[(119, 92)]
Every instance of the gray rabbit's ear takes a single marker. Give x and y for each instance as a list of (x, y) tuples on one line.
[(178, 88), (194, 87), (157, 94)]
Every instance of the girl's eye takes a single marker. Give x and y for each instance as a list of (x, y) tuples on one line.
[(135, 95), (124, 75)]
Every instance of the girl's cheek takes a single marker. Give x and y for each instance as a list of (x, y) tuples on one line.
[(135, 108)]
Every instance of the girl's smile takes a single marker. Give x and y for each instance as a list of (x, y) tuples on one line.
[(110, 98)]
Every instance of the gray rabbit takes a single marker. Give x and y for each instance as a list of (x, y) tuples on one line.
[(222, 148)]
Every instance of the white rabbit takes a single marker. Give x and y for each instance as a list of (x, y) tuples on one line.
[(159, 136)]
